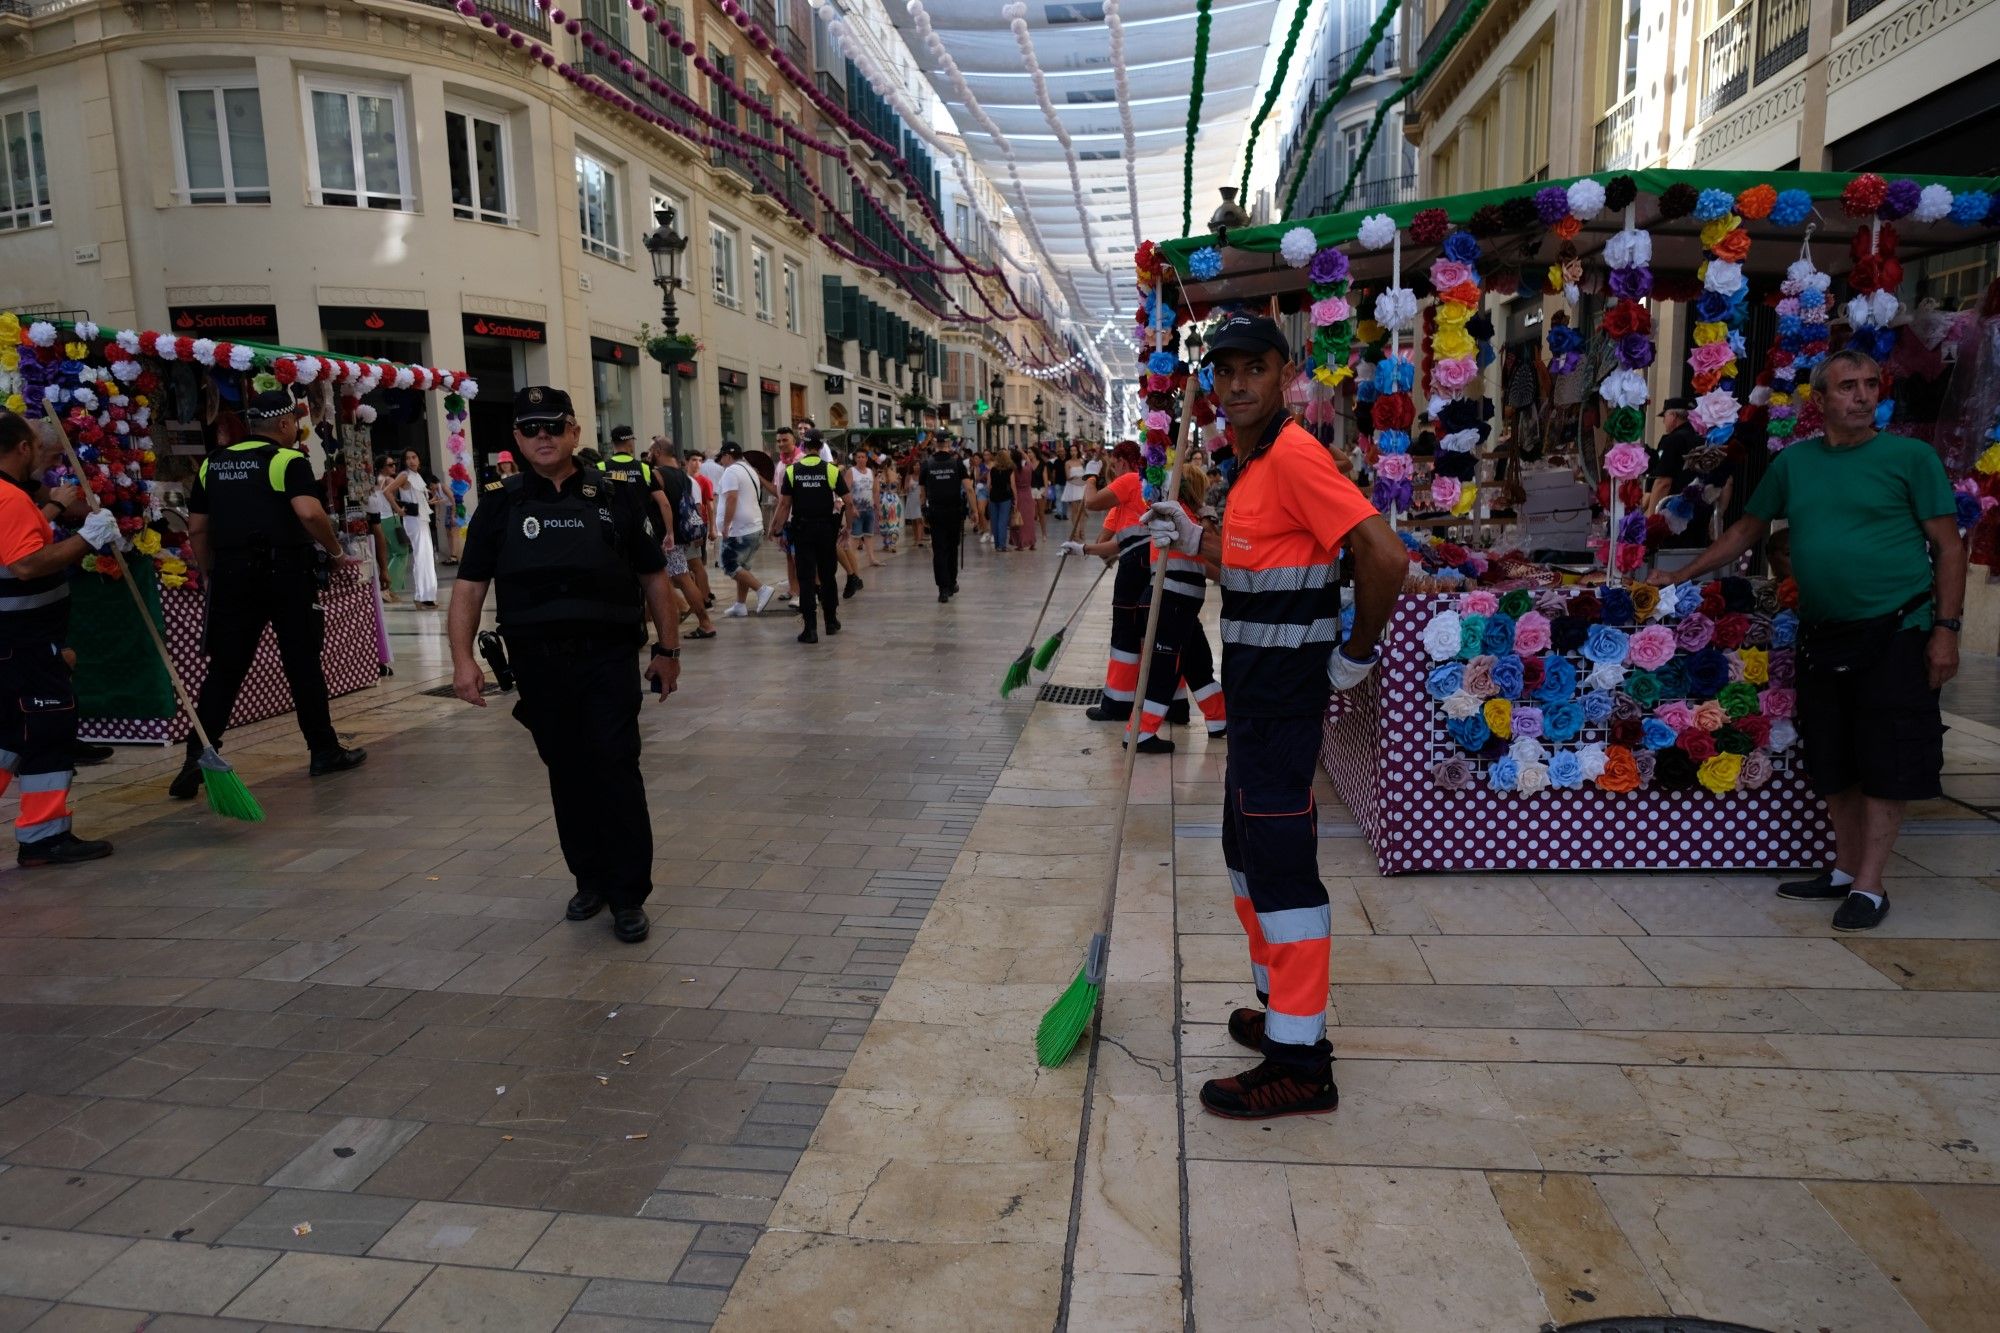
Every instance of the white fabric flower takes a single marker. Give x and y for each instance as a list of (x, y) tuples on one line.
[(1534, 778), (128, 340), (1298, 246), (1630, 248), (1586, 199), (1528, 750), (1377, 231), (308, 368), (468, 389), (1801, 277), (1396, 308), (1884, 306), (1717, 407), (86, 398), (240, 357), (1724, 277), (1624, 388), (1784, 735), (1606, 676), (1590, 758), (1460, 442), (86, 330), (1441, 636), (1760, 395), (1462, 705), (165, 348), (42, 333), (1933, 204), (404, 379), (126, 371), (1571, 293), (204, 351), (364, 414)]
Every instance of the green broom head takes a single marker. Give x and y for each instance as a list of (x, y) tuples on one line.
[(1016, 674), (1047, 652), (227, 795), (1070, 1015)]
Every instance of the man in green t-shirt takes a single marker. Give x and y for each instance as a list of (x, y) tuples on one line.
[(1881, 575)]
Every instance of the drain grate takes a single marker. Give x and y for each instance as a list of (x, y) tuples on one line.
[(1069, 694), (1651, 1324), (447, 692)]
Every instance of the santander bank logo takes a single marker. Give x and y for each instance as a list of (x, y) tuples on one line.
[(374, 321), (480, 327), (186, 321)]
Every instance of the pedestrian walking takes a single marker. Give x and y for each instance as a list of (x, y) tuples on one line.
[(742, 528), (260, 533), (1000, 498), (1122, 501), (913, 502), (1290, 512), (575, 568), (411, 491), (381, 515), (947, 498), (1881, 577), (683, 550), (812, 501), (861, 493), (624, 465), (1027, 500)]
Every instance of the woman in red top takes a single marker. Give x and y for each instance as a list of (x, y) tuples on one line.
[(1122, 500)]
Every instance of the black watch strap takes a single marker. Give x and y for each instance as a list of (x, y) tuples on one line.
[(1952, 623), (673, 653)]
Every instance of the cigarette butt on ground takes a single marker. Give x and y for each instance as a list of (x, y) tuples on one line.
[(506, 1138), (630, 1137)]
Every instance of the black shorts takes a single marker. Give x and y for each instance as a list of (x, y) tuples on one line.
[(1876, 725)]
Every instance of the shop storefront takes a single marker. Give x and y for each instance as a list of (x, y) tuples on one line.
[(731, 386), (505, 355), (611, 368), (386, 333)]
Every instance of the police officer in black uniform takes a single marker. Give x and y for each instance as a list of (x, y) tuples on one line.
[(812, 496), (576, 567), (948, 498), (260, 531), (621, 464)]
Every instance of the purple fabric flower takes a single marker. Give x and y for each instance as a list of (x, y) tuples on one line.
[(1900, 200), (1632, 528), (1635, 351), (1551, 204), (1633, 284), (1328, 266)]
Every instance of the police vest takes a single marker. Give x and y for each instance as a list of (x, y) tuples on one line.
[(247, 505), (811, 482), (943, 491), (624, 467), (559, 560)]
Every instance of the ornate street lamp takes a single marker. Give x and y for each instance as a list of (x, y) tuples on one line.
[(664, 246), (999, 386), (1040, 427)]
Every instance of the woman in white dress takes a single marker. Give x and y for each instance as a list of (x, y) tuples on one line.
[(1072, 491), (412, 493)]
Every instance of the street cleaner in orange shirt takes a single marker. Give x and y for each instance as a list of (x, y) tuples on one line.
[(1288, 512)]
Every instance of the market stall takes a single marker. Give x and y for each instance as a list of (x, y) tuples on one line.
[(142, 408), (1529, 715)]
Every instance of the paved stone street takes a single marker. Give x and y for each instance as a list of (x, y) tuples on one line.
[(810, 1099)]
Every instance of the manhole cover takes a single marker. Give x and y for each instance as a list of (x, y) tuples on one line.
[(1069, 694), (448, 692), (1652, 1324)]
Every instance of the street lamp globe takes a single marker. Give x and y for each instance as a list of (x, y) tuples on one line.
[(664, 246)]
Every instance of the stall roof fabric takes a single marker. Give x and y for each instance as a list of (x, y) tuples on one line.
[(1091, 250)]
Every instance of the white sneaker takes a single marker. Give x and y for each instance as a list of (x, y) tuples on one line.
[(737, 610), (764, 595)]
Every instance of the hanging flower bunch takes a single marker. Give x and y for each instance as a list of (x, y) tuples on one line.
[(1629, 326), (1393, 414), (1164, 373), (456, 421), (1874, 278), (1801, 346), (1455, 374), (1332, 317)]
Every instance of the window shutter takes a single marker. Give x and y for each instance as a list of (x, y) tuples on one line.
[(833, 309)]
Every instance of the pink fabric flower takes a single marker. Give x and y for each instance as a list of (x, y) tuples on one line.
[(1445, 491), (1394, 467), (1455, 374), (1449, 273), (1694, 632), (1676, 713), (1479, 678), (1652, 647), (1709, 716), (1756, 770), (1626, 461), (1710, 356), (1330, 310), (1531, 634), (1479, 602), (1776, 702)]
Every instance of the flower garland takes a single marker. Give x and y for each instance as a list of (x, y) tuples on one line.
[(1121, 82), (1332, 317), (1283, 67), (1671, 689), (1017, 22), (1802, 343), (1629, 326), (1454, 374), (1197, 78), (1362, 55), (1162, 372)]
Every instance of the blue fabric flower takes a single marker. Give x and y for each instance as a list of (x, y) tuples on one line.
[(1712, 204), (1471, 733), (1656, 734), (1792, 208), (1472, 635), (1558, 680), (1508, 677), (1615, 606), (1708, 672), (1784, 629), (1497, 634), (1462, 247), (1206, 375), (1446, 681), (1969, 207), (1161, 363), (1562, 722), (1392, 441), (1596, 707), (1205, 264), (1396, 374), (1606, 644), (1710, 307), (1503, 774), (1565, 769)]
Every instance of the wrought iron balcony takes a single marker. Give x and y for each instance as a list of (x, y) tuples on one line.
[(1615, 147), (1751, 46), (521, 15)]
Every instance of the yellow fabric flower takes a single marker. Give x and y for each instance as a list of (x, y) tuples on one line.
[(16, 403), (10, 326), (1452, 315), (1556, 276), (146, 542), (1467, 497), (1720, 773), (1756, 666), (1711, 332), (10, 358), (1368, 331), (173, 581), (1714, 230), (1989, 462), (1500, 717), (173, 564), (1452, 344), (75, 351)]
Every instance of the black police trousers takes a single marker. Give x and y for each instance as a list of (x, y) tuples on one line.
[(947, 532), (813, 542), (580, 701), (246, 593)]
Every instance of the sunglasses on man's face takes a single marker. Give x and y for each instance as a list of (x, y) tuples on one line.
[(531, 429)]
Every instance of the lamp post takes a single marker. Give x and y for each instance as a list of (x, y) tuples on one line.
[(1040, 426), (664, 246), (913, 357), (999, 386)]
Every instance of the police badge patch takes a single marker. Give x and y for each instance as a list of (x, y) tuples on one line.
[(531, 527)]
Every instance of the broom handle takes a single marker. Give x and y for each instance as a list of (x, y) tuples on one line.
[(1145, 671), (138, 602), (1075, 530)]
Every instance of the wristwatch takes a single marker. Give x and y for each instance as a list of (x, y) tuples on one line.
[(671, 653), (1952, 623)]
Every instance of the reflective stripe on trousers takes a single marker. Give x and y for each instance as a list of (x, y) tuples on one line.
[(1121, 671)]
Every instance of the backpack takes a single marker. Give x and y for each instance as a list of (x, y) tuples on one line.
[(688, 527)]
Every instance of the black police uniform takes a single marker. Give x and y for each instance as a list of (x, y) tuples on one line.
[(264, 570), (815, 487), (620, 466), (944, 478), (565, 565)]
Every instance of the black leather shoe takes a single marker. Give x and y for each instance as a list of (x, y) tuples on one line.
[(83, 754), (186, 783), (61, 849), (943, 597), (852, 586), (832, 625), (809, 635), (1099, 713), (1860, 912), (630, 924), (1155, 745), (584, 905), (337, 760), (1820, 888)]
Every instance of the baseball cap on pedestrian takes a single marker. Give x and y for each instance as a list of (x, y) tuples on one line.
[(269, 404), (621, 434), (1681, 404), (1247, 333), (730, 448), (539, 402)]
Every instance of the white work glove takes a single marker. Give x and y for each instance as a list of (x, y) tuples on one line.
[(1170, 526), (1073, 548), (100, 530), (1345, 673)]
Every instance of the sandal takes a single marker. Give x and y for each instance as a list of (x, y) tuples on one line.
[(700, 634)]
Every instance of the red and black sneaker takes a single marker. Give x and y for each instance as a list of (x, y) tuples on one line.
[(1274, 1089), (1246, 1028)]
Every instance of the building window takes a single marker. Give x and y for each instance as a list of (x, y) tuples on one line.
[(597, 208), (676, 68), (480, 188), (355, 154), (24, 190), (722, 259), (1625, 20), (768, 399), (792, 280), (760, 280), (219, 140)]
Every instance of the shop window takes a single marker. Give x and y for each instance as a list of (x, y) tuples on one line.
[(793, 277), (219, 139), (760, 280), (481, 188), (354, 155), (730, 410), (722, 259), (597, 208), (768, 402), (24, 189)]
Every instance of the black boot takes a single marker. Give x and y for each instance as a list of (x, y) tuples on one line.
[(832, 624), (583, 905), (83, 754), (186, 783), (808, 634), (630, 924), (1246, 1028), (1275, 1088), (61, 849), (1108, 713), (852, 586), (337, 760)]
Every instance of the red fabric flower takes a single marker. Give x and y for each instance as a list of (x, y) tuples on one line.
[(1756, 726), (1712, 604), (1623, 317), (149, 342), (1395, 411), (1631, 494), (1697, 744), (1863, 195), (1430, 226), (1533, 671), (1626, 731), (285, 370), (1730, 629), (1788, 594)]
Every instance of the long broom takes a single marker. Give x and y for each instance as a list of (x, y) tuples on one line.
[(1016, 674), (227, 795), (1038, 670), (1070, 1014)]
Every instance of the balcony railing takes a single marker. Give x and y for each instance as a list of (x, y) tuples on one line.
[(1383, 191), (792, 43), (521, 15), (1856, 8), (1762, 37), (1614, 135), (611, 69), (1725, 62), (1781, 34)]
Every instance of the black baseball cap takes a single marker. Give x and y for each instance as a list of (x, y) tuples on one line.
[(539, 402), (729, 447), (268, 405), (621, 434), (1247, 333), (1679, 404)]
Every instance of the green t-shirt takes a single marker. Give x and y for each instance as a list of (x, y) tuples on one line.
[(1858, 547)]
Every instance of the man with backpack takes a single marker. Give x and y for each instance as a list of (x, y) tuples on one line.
[(683, 506)]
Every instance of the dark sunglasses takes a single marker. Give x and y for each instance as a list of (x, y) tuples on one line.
[(531, 429)]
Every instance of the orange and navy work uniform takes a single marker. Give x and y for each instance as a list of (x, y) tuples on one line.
[(1183, 665), (37, 699), (1288, 511), (1131, 592)]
